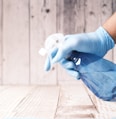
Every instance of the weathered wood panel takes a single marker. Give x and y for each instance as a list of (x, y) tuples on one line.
[(70, 16), (96, 12), (0, 41), (114, 50), (15, 42), (42, 24), (26, 25), (114, 5), (70, 20)]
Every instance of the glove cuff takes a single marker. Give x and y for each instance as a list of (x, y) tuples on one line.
[(106, 39)]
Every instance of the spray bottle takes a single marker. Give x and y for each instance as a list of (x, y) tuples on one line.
[(97, 73)]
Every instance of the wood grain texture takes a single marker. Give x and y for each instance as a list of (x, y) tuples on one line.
[(42, 24), (74, 103), (70, 16), (53, 102), (15, 42), (26, 25), (114, 50), (0, 41), (11, 97), (105, 109), (96, 12), (41, 103), (70, 20), (113, 6)]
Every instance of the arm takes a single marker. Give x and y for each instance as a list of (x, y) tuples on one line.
[(110, 26)]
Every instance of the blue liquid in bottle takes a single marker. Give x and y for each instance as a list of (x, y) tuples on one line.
[(98, 74)]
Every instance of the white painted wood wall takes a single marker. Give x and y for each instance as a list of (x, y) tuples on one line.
[(24, 26)]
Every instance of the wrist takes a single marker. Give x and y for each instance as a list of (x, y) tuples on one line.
[(105, 40), (108, 38)]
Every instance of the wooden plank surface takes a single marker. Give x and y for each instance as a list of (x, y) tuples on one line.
[(70, 20), (11, 97), (29, 102), (75, 103), (53, 102), (15, 42), (0, 41), (42, 24), (105, 109), (96, 12), (41, 103)]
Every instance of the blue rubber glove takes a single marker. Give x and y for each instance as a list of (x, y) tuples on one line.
[(98, 43), (98, 74), (68, 65)]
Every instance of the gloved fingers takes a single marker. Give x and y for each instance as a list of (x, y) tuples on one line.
[(64, 50), (67, 64), (53, 53), (70, 68), (73, 73), (97, 43), (47, 65), (81, 42), (59, 55), (49, 58), (71, 43)]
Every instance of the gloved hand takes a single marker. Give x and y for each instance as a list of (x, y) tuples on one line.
[(98, 74), (98, 43), (68, 65)]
